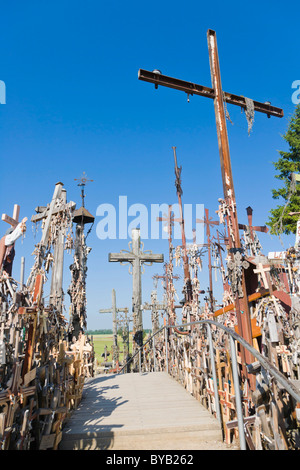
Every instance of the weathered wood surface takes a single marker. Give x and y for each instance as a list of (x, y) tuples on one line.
[(140, 411)]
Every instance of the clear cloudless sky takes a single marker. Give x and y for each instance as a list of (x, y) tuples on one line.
[(74, 103)]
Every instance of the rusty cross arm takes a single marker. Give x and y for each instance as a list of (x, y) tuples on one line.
[(258, 228), (194, 89)]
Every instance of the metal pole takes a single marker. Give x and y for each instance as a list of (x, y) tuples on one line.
[(153, 349), (115, 327), (140, 360), (237, 392), (166, 345), (214, 373)]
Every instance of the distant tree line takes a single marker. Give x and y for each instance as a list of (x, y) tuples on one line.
[(109, 332), (99, 332)]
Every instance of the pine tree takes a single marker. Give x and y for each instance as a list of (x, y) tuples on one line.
[(287, 164)]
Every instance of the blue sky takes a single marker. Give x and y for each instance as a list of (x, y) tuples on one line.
[(74, 103)]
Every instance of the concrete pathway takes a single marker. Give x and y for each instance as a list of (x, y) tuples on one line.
[(140, 411)]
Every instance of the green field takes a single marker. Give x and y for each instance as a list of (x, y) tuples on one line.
[(100, 341)]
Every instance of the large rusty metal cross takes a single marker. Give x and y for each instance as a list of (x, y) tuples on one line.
[(216, 93)]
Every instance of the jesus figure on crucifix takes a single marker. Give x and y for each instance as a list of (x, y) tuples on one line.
[(7, 246)]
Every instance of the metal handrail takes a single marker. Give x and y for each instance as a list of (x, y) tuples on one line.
[(140, 348), (266, 364)]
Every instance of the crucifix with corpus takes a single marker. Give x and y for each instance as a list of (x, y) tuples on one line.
[(186, 270), (136, 257), (216, 93)]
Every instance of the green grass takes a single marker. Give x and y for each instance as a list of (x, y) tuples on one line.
[(99, 344)]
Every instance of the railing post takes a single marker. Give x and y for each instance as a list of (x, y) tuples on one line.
[(166, 346), (140, 360), (238, 397), (214, 373), (153, 351)]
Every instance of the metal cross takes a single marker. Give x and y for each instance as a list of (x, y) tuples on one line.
[(82, 182)]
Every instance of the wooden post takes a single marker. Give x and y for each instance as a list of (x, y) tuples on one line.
[(56, 290)]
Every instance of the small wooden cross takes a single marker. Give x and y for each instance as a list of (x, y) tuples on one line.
[(248, 421), (169, 219), (261, 269), (14, 220)]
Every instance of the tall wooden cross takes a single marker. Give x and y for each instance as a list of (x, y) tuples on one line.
[(57, 205), (136, 258), (169, 219), (169, 276), (222, 239), (114, 311), (155, 307), (187, 277), (216, 93), (77, 288), (124, 319), (207, 221)]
